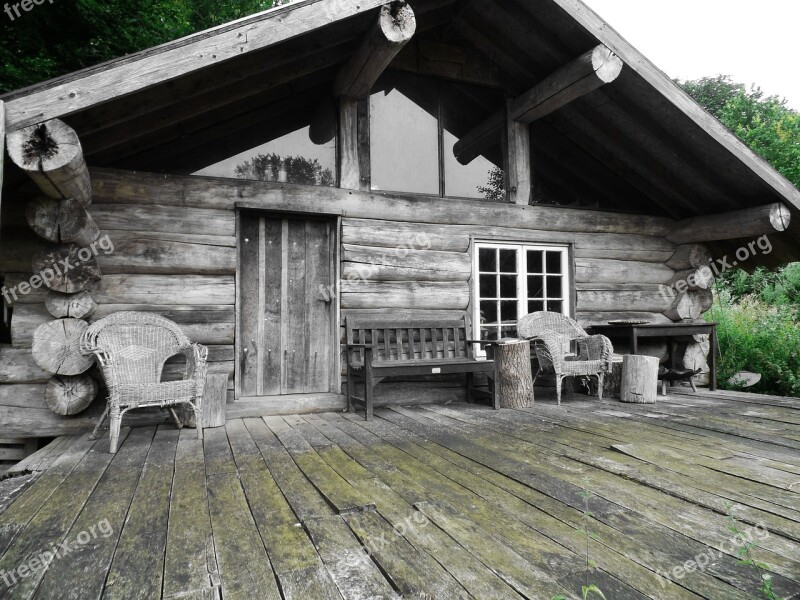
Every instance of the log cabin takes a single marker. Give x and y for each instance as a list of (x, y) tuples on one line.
[(262, 181)]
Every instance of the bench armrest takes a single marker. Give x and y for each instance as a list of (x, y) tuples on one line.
[(484, 342), (359, 345)]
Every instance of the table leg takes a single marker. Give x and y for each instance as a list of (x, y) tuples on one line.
[(713, 365), (634, 342)]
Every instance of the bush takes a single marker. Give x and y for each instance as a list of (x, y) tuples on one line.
[(757, 336)]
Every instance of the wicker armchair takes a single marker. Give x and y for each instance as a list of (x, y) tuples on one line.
[(131, 348), (553, 335)]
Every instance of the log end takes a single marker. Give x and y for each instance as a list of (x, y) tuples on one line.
[(607, 65), (780, 217), (52, 142), (398, 22)]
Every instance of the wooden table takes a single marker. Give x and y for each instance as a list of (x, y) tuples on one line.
[(665, 330)]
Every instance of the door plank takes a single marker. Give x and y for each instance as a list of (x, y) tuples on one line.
[(295, 321), (271, 340)]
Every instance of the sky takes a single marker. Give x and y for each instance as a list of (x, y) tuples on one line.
[(755, 41)]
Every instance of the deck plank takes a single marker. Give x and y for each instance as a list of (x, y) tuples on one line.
[(138, 564)]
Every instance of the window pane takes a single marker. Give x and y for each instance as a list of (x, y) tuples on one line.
[(535, 286), (508, 311), (404, 140), (487, 260), (535, 306), (489, 333), (554, 286), (508, 286), (535, 261), (555, 306), (489, 311), (488, 286), (510, 332), (554, 262), (508, 261), (291, 158), (464, 107)]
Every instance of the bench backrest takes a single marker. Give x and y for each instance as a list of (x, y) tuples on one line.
[(409, 339)]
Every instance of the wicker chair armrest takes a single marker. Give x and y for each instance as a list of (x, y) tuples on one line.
[(196, 360), (549, 352), (594, 347)]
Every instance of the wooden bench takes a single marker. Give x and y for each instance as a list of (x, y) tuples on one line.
[(377, 349)]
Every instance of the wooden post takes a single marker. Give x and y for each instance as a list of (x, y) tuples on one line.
[(2, 152), (51, 154), (514, 378), (639, 379), (518, 171), (349, 164)]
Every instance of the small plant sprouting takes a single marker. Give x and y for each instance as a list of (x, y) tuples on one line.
[(746, 557), (588, 588)]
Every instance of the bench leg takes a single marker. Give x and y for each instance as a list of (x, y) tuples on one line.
[(469, 387), (368, 391), (691, 382), (349, 388)]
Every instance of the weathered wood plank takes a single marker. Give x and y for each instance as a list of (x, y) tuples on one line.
[(412, 294), (150, 67), (156, 218), (190, 562), (18, 366), (165, 289), (138, 564), (102, 518)]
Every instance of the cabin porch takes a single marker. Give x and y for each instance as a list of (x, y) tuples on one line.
[(425, 502)]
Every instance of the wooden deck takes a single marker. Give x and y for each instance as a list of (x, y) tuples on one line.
[(439, 502)]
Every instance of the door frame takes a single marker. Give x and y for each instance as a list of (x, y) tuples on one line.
[(335, 219)]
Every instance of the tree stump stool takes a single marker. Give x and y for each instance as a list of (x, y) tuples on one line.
[(514, 378), (639, 379), (612, 381)]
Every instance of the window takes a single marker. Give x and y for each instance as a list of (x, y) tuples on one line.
[(414, 124), (291, 158), (512, 280)]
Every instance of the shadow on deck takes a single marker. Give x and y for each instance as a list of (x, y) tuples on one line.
[(439, 502)]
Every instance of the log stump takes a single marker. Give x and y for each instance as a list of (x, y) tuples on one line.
[(514, 377), (74, 306), (56, 347), (639, 379), (215, 398), (612, 381), (69, 395)]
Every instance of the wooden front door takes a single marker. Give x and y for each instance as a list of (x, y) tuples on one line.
[(287, 304)]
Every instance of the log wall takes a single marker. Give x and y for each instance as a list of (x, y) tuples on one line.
[(175, 253)]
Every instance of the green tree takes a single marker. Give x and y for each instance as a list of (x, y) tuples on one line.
[(765, 123), (65, 36)]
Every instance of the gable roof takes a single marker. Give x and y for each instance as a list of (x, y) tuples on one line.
[(640, 141)]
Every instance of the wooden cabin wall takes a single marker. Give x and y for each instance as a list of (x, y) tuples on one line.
[(175, 253)]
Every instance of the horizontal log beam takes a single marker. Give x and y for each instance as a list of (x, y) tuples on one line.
[(585, 74), (746, 223), (394, 28)]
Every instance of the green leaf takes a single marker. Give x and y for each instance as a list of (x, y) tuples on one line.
[(592, 589)]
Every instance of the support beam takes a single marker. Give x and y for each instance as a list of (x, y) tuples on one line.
[(394, 29), (518, 162), (585, 74), (50, 153), (349, 164), (746, 223), (2, 151)]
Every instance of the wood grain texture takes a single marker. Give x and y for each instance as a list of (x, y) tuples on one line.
[(56, 347), (394, 28), (150, 67), (746, 223), (51, 154)]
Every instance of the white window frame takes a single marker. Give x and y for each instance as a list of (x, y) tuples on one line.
[(522, 280)]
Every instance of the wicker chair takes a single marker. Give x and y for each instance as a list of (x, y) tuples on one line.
[(553, 335), (131, 348)]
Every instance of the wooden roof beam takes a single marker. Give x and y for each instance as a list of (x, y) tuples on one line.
[(151, 67), (394, 28), (738, 224), (585, 74)]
